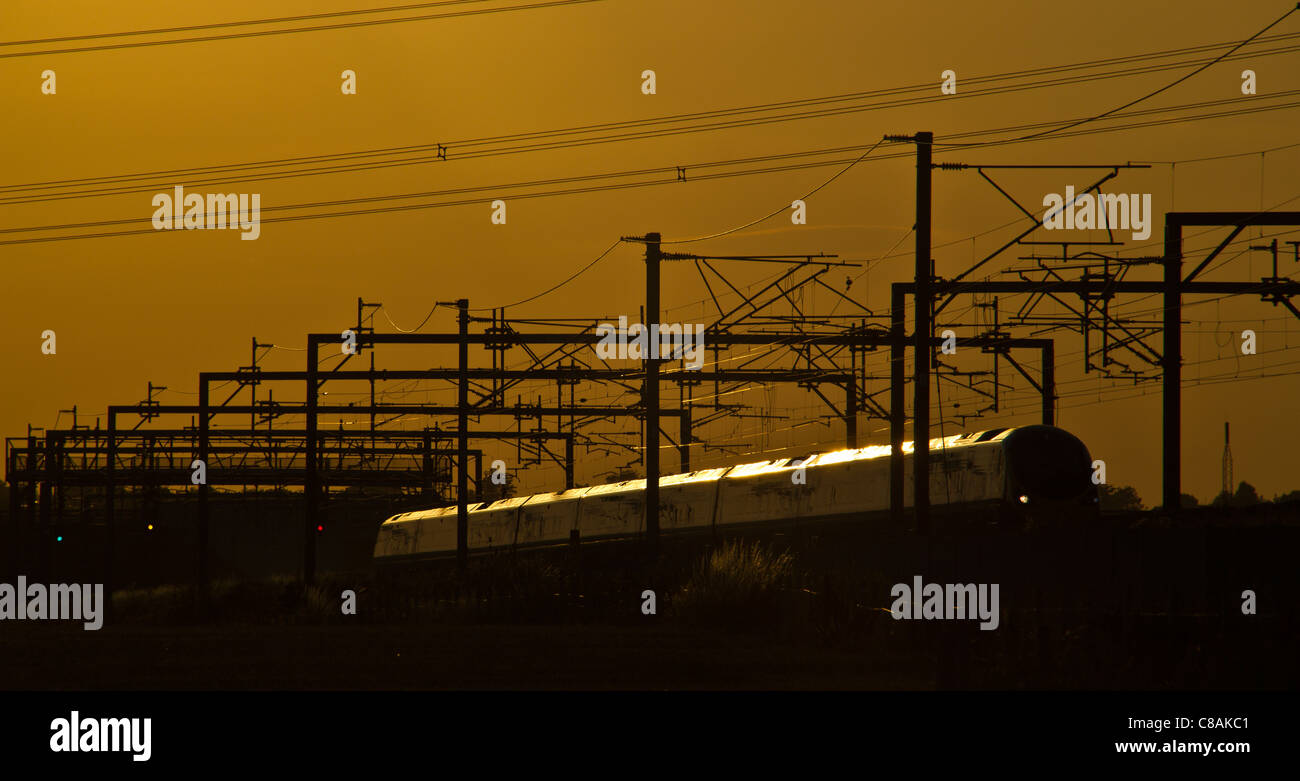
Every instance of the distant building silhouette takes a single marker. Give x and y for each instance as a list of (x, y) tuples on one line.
[(1227, 462)]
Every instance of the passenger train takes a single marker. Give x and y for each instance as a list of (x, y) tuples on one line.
[(1018, 477)]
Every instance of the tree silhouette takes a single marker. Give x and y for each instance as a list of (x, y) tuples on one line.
[(492, 492), (1245, 496), (1118, 498)]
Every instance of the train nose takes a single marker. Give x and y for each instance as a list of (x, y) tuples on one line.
[(1048, 464)]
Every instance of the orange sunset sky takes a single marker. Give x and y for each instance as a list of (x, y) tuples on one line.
[(162, 306)]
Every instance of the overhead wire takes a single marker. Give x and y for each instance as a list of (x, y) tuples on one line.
[(1168, 86), (783, 208), (447, 151), (413, 330), (567, 191), (243, 23), (287, 31)]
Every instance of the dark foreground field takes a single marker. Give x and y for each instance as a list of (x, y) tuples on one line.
[(45, 657), (432, 657), (1130, 604)]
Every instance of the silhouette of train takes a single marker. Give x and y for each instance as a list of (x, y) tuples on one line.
[(1019, 477)]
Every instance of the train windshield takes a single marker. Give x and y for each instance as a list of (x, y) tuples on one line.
[(1049, 462)]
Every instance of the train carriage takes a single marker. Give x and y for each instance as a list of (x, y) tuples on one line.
[(1026, 476)]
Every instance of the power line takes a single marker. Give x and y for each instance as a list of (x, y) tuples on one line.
[(311, 28), (553, 288), (413, 330), (219, 25), (1219, 157), (1183, 78), (1168, 86), (783, 208), (540, 141), (622, 174)]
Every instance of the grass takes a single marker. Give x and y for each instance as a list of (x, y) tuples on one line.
[(280, 600), (736, 586), (1069, 601), (492, 589)]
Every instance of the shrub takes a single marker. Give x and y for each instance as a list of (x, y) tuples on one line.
[(735, 586)]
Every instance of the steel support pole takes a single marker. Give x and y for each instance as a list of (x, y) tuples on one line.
[(923, 327), (311, 479), (110, 521), (897, 398), (851, 413), (1173, 364), (651, 393), (685, 436), (33, 546), (202, 574), (1049, 384), (46, 506), (426, 488), (462, 435), (15, 543), (568, 460)]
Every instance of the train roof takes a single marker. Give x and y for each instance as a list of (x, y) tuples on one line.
[(707, 475)]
